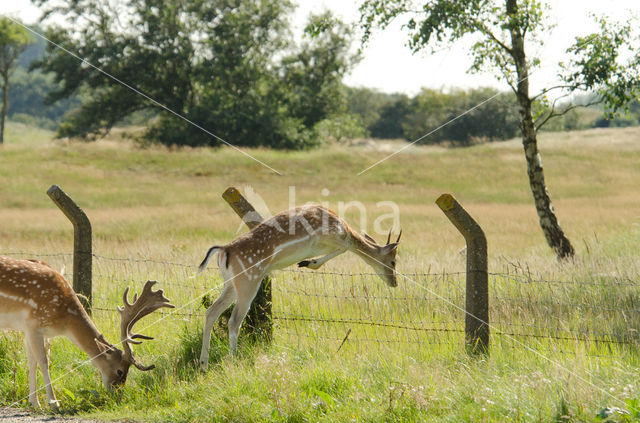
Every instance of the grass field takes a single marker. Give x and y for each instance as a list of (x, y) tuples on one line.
[(157, 208)]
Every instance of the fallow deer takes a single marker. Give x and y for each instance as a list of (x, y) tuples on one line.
[(294, 236), (37, 300)]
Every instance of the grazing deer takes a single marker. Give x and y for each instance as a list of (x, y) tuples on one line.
[(37, 300), (293, 236)]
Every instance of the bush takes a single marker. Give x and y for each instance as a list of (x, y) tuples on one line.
[(341, 128), (38, 121), (463, 120)]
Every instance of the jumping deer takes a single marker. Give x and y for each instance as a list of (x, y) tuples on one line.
[(37, 300), (294, 236)]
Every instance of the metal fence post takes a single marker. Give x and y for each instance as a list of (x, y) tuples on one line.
[(259, 319), (477, 301), (82, 252)]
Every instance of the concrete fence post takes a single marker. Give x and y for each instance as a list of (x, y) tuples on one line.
[(259, 319), (477, 296), (82, 252)]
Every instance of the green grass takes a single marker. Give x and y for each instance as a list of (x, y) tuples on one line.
[(164, 205)]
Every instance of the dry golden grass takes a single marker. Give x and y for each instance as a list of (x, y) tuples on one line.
[(164, 205), (159, 201)]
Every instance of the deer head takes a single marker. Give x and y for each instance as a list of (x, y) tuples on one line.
[(117, 362), (384, 260)]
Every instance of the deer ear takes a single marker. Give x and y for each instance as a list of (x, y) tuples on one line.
[(104, 347), (368, 238), (389, 248)]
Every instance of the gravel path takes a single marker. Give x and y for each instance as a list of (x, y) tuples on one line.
[(16, 415)]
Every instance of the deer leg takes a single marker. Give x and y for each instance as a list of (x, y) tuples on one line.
[(316, 263), (213, 314), (36, 342), (246, 290), (33, 375), (47, 346)]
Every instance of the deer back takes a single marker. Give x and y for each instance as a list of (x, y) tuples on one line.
[(37, 292)]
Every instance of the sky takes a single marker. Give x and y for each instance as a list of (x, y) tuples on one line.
[(388, 65)]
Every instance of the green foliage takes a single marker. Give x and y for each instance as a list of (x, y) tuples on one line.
[(14, 39), (366, 104), (313, 76), (80, 401), (563, 415), (187, 358), (27, 94), (629, 414), (34, 121), (472, 117), (28, 90), (392, 115), (13, 375), (6, 361), (34, 51), (598, 63), (229, 67), (341, 128)]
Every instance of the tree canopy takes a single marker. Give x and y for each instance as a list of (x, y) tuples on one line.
[(14, 39), (231, 67)]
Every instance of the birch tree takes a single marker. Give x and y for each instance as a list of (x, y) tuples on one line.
[(503, 31)]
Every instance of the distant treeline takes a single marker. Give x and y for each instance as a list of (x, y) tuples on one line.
[(454, 116), (28, 90), (433, 116), (461, 117)]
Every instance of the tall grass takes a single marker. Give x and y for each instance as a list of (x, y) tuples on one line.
[(156, 211)]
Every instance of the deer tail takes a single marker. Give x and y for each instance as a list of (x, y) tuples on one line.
[(210, 253)]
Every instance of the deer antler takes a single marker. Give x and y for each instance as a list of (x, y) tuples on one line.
[(389, 237), (148, 302)]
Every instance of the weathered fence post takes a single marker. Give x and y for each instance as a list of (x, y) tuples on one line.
[(258, 320), (82, 253), (477, 302)]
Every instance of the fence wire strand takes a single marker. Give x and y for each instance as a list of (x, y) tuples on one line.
[(321, 306)]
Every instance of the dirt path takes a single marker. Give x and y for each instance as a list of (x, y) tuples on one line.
[(16, 415)]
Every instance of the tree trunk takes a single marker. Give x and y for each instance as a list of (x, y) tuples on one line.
[(548, 221), (5, 104)]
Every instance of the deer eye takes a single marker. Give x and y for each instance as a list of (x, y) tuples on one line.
[(119, 373), (393, 263)]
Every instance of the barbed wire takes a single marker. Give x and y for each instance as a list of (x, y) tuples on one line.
[(338, 300), (354, 321), (515, 276), (158, 312), (418, 343)]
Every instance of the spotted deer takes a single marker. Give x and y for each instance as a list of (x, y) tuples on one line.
[(37, 300), (294, 236)]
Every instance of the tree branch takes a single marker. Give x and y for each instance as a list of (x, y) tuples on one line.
[(553, 114), (572, 87), (491, 35)]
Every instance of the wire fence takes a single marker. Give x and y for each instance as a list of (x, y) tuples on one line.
[(357, 309)]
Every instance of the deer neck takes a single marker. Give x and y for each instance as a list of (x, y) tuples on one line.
[(368, 252), (83, 333)]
